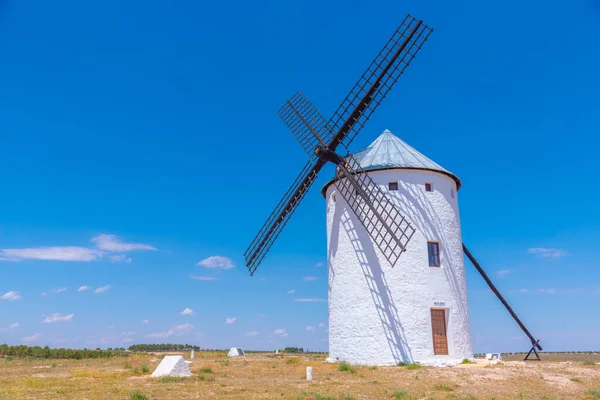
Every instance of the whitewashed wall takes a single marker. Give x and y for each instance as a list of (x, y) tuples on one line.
[(380, 315)]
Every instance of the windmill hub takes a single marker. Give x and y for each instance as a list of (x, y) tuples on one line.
[(328, 155)]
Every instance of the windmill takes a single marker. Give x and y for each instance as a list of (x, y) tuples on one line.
[(377, 215)]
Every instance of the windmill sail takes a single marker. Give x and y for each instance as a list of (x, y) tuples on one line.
[(389, 229)]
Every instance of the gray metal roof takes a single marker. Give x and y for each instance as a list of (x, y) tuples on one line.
[(390, 152)]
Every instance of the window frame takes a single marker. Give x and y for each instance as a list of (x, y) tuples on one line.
[(434, 256), (430, 186), (393, 183)]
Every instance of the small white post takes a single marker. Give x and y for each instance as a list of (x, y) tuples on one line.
[(192, 355), (309, 373), (277, 351)]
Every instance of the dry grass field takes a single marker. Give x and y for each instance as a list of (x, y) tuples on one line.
[(267, 376)]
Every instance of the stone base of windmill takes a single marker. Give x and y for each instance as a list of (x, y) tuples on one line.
[(172, 366)]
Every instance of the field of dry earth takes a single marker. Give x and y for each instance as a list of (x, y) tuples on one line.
[(270, 376)]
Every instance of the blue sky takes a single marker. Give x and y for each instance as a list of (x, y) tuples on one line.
[(141, 138)]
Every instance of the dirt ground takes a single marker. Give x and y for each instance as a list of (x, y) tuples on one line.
[(270, 376)]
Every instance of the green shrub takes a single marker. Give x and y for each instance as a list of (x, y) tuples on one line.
[(345, 367), (399, 394), (127, 365), (137, 396), (206, 370), (53, 365), (293, 360), (589, 362), (202, 377), (401, 364), (595, 393), (442, 387), (413, 366), (467, 361), (145, 369), (167, 379), (319, 397), (136, 370), (576, 380)]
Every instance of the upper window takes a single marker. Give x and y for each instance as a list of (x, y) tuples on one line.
[(428, 187), (393, 185), (433, 253), (452, 193)]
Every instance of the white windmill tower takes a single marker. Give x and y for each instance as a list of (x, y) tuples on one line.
[(392, 213), (418, 311)]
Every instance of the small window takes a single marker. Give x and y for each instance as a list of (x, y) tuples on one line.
[(452, 193), (333, 197), (433, 253), (428, 187), (393, 185)]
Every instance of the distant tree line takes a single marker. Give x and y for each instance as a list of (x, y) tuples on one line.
[(163, 347), (293, 350), (47, 352)]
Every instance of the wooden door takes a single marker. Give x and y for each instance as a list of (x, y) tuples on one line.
[(438, 328)]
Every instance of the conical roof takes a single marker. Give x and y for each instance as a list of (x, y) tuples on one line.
[(390, 152)]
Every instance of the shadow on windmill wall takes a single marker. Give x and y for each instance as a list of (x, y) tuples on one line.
[(376, 281)]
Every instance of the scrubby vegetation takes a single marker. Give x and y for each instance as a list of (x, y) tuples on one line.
[(48, 353), (163, 347)]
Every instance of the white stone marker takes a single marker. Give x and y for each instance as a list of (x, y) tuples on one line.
[(277, 351), (309, 373), (172, 366), (192, 355)]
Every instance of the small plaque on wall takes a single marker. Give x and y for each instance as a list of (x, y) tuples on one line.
[(439, 303)]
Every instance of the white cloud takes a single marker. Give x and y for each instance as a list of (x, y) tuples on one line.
[(310, 329), (56, 317), (14, 326), (102, 289), (187, 311), (503, 272), (10, 296), (83, 288), (322, 325), (523, 290), (204, 278), (127, 340), (308, 300), (230, 321), (216, 262), (64, 289), (32, 338), (319, 264), (279, 332), (145, 321), (547, 253), (310, 278), (117, 258), (44, 294), (178, 330), (57, 253), (291, 291), (548, 291), (113, 244), (128, 333), (252, 334)]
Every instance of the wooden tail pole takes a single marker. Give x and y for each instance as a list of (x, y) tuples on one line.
[(535, 343)]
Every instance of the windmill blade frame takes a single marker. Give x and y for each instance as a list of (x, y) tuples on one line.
[(389, 230)]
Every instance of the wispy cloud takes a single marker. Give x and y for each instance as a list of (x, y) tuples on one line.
[(548, 291), (216, 262), (57, 253), (117, 258), (319, 264), (32, 338), (523, 290), (322, 325), (252, 334), (113, 244), (204, 278), (230, 321), (547, 253), (310, 329), (178, 330), (83, 288), (10, 296), (145, 321), (291, 291), (309, 300), (56, 317), (64, 289), (187, 311), (128, 333), (280, 332), (102, 289), (310, 278), (13, 326), (127, 340), (503, 272)]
